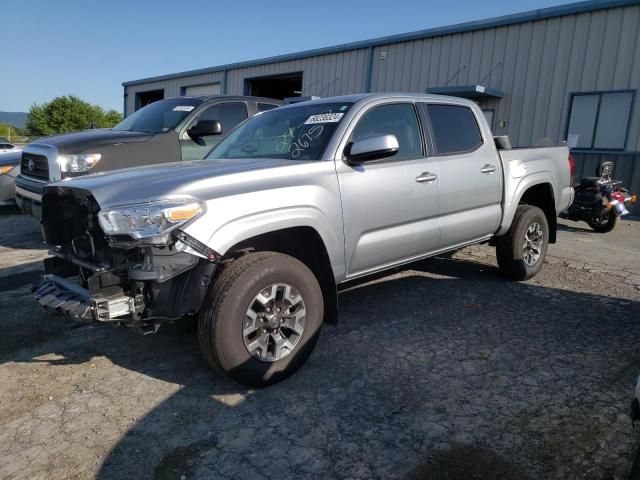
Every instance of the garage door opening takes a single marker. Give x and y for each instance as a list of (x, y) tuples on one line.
[(205, 89), (145, 98), (275, 86)]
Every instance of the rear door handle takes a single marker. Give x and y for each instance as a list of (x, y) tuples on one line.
[(426, 177), (488, 168)]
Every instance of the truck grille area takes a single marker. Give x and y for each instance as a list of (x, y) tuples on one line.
[(34, 166), (68, 214)]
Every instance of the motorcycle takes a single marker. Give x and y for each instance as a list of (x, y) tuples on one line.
[(600, 200)]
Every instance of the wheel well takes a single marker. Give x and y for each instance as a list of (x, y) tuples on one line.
[(305, 244), (541, 196)]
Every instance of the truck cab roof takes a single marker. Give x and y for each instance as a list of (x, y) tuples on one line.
[(206, 98), (422, 97)]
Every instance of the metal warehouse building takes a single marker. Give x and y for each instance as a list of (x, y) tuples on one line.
[(570, 72)]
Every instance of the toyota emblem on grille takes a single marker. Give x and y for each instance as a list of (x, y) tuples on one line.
[(31, 165)]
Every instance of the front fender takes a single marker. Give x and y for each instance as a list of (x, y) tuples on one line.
[(229, 221), (260, 223)]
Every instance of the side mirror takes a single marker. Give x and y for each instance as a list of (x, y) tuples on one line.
[(373, 148), (205, 128)]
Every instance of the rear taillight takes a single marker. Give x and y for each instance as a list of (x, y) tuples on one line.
[(572, 165), (617, 196)]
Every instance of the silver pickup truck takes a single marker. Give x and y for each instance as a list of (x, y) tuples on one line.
[(254, 241)]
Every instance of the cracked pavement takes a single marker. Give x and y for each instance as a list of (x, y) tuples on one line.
[(439, 370)]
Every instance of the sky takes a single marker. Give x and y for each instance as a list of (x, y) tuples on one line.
[(88, 48)]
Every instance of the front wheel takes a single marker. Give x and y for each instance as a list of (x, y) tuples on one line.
[(606, 223), (521, 251), (261, 319)]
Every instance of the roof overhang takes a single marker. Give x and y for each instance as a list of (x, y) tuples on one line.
[(473, 92)]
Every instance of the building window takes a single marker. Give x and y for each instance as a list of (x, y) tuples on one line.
[(599, 120)]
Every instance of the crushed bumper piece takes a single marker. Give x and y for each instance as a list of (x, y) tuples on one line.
[(60, 296)]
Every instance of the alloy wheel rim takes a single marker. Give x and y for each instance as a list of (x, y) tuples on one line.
[(533, 241), (274, 322)]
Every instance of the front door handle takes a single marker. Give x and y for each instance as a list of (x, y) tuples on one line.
[(488, 168), (426, 177)]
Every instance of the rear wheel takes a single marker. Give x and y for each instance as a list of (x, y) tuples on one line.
[(521, 251), (606, 223), (261, 319)]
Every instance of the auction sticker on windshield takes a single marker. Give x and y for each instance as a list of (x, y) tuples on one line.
[(324, 118), (183, 108)]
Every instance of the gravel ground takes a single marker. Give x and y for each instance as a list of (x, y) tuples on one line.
[(442, 370)]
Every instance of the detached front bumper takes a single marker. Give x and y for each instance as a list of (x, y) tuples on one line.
[(160, 287), (61, 296)]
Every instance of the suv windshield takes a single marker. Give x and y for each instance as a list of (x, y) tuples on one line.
[(295, 133), (160, 116)]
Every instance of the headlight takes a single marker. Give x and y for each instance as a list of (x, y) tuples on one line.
[(6, 169), (78, 163), (150, 222)]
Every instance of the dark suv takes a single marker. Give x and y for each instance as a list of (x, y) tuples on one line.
[(181, 128)]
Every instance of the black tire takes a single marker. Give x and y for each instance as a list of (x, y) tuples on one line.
[(220, 323), (509, 247), (607, 225)]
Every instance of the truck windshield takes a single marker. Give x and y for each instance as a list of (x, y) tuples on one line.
[(160, 116), (299, 132)]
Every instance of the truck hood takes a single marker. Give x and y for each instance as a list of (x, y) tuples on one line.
[(201, 179), (79, 142)]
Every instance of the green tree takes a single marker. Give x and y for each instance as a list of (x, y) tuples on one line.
[(8, 131), (68, 114)]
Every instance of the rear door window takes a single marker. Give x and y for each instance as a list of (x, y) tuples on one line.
[(228, 114), (455, 129)]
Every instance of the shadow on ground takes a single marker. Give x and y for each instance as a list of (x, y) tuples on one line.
[(465, 462), (583, 228)]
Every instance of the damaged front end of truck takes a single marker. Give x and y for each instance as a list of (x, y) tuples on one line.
[(129, 265)]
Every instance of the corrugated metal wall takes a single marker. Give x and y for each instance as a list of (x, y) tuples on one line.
[(172, 87), (325, 75), (536, 64)]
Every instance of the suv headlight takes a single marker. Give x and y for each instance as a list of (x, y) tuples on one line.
[(149, 222), (78, 163)]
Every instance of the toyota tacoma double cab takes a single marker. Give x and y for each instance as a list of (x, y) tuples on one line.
[(182, 128), (254, 240)]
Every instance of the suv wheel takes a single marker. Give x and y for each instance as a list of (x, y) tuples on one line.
[(261, 318), (521, 251)]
